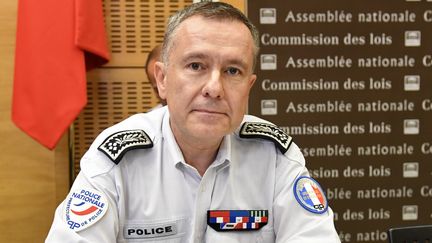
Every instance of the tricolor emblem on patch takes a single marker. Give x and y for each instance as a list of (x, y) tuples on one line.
[(310, 195), (83, 208), (240, 220)]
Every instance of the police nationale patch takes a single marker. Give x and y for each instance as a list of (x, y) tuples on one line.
[(310, 195), (237, 220), (116, 145), (266, 131), (83, 208)]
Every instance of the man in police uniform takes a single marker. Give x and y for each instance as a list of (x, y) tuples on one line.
[(198, 170)]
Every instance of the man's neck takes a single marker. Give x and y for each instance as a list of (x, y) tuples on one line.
[(198, 154)]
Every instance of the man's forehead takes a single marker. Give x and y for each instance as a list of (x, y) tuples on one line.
[(199, 21), (196, 35), (213, 30)]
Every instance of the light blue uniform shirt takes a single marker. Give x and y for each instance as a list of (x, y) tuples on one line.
[(154, 196)]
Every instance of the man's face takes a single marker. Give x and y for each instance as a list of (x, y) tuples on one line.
[(208, 77)]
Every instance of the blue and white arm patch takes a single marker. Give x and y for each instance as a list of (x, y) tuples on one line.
[(266, 131), (310, 195), (116, 145), (83, 208)]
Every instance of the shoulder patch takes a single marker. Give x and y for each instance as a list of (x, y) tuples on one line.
[(83, 208), (266, 131), (116, 145), (310, 195)]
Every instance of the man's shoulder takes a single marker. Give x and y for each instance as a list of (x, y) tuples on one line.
[(150, 121), (139, 131), (259, 129)]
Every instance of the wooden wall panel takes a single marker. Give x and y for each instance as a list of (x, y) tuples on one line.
[(113, 95), (135, 26)]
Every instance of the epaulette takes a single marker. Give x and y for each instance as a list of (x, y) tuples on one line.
[(116, 145), (266, 131)]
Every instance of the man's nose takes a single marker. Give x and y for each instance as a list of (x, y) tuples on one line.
[(213, 87)]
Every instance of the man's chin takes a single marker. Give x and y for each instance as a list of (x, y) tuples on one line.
[(209, 130)]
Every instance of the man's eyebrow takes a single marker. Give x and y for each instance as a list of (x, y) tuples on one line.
[(238, 62), (194, 55), (200, 55)]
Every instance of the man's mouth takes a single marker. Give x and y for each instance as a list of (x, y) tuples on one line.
[(209, 111)]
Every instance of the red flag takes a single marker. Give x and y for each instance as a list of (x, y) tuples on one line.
[(56, 41)]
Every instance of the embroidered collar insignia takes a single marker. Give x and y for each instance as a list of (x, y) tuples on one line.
[(116, 145), (266, 131)]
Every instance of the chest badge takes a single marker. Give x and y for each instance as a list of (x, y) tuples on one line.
[(83, 208), (237, 220), (310, 195)]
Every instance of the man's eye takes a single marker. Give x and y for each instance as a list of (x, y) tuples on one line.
[(195, 66), (233, 71)]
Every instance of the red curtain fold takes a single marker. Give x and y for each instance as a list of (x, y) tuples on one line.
[(56, 42)]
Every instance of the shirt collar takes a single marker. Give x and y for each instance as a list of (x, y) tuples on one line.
[(168, 137), (224, 153)]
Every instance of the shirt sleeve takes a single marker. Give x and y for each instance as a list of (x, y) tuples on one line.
[(105, 229), (292, 222)]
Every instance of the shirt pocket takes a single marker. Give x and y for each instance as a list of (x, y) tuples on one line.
[(160, 231), (267, 235), (263, 235)]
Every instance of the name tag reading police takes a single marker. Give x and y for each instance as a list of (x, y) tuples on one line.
[(149, 231), (83, 208)]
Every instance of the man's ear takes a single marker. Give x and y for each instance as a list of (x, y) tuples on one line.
[(252, 80), (159, 73)]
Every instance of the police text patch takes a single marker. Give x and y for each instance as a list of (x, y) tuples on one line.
[(116, 145), (149, 230)]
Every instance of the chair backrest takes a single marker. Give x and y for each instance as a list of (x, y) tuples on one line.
[(411, 234)]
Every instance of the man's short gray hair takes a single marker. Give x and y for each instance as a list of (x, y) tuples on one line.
[(209, 10)]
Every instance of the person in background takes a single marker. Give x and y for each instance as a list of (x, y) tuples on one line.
[(152, 58), (199, 169)]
